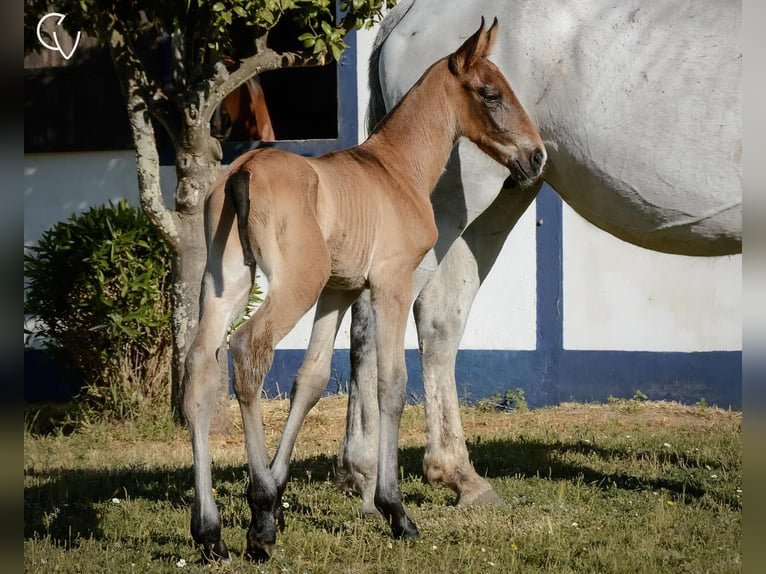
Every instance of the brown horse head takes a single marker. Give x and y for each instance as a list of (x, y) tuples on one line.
[(494, 119)]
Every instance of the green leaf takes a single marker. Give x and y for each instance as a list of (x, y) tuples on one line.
[(337, 50)]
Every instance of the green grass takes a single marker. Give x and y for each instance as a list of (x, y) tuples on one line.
[(631, 486)]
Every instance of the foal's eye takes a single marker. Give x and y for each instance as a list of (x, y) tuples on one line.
[(489, 96)]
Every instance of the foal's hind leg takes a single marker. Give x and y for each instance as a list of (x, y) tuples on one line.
[(224, 293), (300, 276)]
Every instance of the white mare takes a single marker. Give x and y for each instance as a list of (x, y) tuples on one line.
[(639, 104)]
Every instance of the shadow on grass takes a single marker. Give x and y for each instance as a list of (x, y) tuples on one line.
[(66, 503), (527, 459)]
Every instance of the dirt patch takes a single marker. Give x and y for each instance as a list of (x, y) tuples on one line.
[(325, 425)]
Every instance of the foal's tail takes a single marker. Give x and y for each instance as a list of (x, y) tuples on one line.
[(238, 190)]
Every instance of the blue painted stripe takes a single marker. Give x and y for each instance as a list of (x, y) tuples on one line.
[(550, 281), (583, 376)]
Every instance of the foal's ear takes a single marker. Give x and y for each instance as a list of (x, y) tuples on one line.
[(477, 46)]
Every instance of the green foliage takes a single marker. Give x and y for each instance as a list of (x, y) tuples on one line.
[(98, 287), (639, 395), (253, 301), (511, 400), (207, 24)]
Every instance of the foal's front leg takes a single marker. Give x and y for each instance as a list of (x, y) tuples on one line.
[(311, 379), (391, 301)]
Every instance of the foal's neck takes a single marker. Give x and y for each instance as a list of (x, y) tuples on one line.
[(415, 139)]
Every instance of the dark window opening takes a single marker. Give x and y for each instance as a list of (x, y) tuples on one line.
[(78, 105), (74, 107)]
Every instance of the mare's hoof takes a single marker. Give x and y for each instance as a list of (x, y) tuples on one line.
[(486, 497), (368, 510), (215, 552)]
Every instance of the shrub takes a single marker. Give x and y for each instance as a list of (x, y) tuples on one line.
[(98, 286)]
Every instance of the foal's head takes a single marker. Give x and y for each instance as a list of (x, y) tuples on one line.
[(490, 114)]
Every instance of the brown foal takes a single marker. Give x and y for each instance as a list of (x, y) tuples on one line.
[(322, 230)]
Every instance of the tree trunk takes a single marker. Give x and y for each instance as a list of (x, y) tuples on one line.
[(198, 165)]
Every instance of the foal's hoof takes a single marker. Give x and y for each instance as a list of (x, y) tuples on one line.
[(261, 541), (215, 552), (405, 531), (259, 552), (279, 517)]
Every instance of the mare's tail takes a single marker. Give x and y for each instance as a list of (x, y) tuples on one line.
[(376, 108), (238, 190)]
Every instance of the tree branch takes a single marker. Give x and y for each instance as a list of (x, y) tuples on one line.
[(136, 85), (264, 59), (119, 41)]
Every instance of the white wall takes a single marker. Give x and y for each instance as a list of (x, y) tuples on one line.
[(621, 297)]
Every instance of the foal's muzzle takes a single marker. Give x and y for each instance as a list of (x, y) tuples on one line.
[(525, 169)]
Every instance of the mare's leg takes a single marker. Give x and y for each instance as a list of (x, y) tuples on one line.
[(441, 313), (224, 294), (358, 460), (300, 269), (391, 296), (312, 377)]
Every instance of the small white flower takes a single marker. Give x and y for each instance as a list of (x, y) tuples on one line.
[(389, 546), (116, 501), (433, 547), (707, 467), (491, 563), (713, 476), (666, 444), (586, 441), (181, 563), (285, 505), (739, 491), (575, 525), (483, 549)]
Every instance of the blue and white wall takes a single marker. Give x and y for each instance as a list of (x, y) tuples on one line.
[(568, 312)]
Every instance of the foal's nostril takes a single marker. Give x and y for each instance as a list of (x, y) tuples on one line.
[(537, 160)]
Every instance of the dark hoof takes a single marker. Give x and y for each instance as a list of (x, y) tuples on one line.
[(261, 539), (215, 552), (279, 517), (405, 531), (259, 553)]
